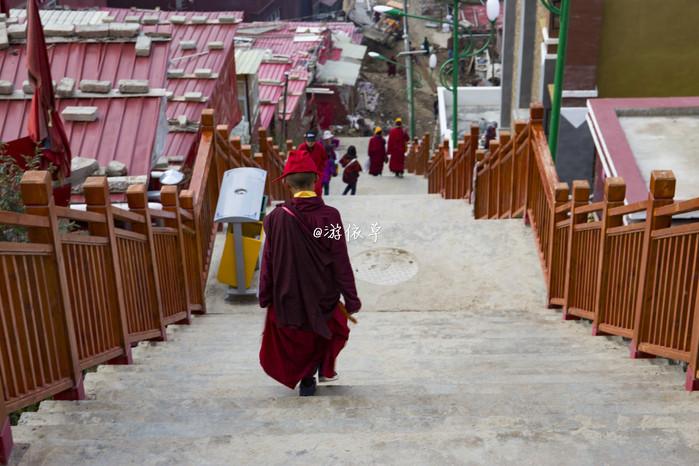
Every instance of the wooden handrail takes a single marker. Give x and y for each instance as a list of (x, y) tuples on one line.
[(639, 206), (679, 207), (128, 216), (596, 207), (599, 268), (79, 215), (23, 220)]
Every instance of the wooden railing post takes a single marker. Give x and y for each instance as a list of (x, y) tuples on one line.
[(471, 161), (5, 433), (501, 186), (137, 198), (38, 200), (423, 155), (661, 193), (170, 202), (580, 198), (560, 197), (237, 148), (492, 161), (614, 194), (536, 118), (187, 203), (519, 168), (225, 163), (96, 191), (208, 126)]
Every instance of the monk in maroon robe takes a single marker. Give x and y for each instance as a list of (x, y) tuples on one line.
[(397, 145), (377, 153), (319, 156), (305, 269)]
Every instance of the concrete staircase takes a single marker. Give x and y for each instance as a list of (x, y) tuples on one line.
[(460, 364)]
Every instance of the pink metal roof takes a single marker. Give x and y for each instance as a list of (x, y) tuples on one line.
[(79, 60), (266, 115), (221, 92), (116, 135), (280, 41)]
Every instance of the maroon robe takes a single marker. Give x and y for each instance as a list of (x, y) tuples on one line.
[(377, 154), (320, 158), (301, 280), (397, 139)]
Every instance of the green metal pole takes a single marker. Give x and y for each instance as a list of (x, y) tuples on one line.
[(558, 80), (455, 76), (409, 71)]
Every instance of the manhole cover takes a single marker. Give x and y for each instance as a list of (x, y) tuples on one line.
[(385, 266)]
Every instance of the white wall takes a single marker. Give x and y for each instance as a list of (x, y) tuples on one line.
[(472, 102)]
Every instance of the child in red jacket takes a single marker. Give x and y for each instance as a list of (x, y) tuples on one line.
[(352, 168)]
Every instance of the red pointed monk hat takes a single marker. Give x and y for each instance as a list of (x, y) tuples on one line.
[(298, 162)]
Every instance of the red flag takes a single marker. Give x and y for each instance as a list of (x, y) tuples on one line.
[(45, 126)]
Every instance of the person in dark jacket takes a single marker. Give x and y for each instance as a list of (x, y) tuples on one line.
[(317, 153), (305, 269), (350, 175)]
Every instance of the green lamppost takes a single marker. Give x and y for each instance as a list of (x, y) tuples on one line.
[(562, 13), (493, 10)]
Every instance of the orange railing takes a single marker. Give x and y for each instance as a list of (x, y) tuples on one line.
[(450, 176), (78, 296), (418, 155), (629, 269), (269, 158)]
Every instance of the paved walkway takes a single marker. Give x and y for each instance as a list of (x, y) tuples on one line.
[(455, 360)]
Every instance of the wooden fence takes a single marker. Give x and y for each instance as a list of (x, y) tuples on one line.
[(627, 268), (71, 300), (418, 155), (452, 176)]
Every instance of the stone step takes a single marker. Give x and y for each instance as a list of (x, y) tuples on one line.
[(583, 445), (349, 364), (466, 404), (347, 421)]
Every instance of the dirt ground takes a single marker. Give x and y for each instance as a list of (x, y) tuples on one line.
[(391, 91), (393, 101)]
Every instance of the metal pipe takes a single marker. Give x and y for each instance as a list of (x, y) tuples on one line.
[(558, 79), (455, 76), (286, 91)]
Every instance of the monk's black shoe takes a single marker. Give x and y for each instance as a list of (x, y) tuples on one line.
[(307, 386)]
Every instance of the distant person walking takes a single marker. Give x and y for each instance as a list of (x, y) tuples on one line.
[(317, 153), (330, 170), (490, 134), (392, 68), (377, 153), (351, 173), (397, 145)]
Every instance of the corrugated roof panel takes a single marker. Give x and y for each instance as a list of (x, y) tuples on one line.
[(270, 94), (248, 61), (81, 17), (272, 71), (79, 60), (221, 92), (118, 134), (266, 115)]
